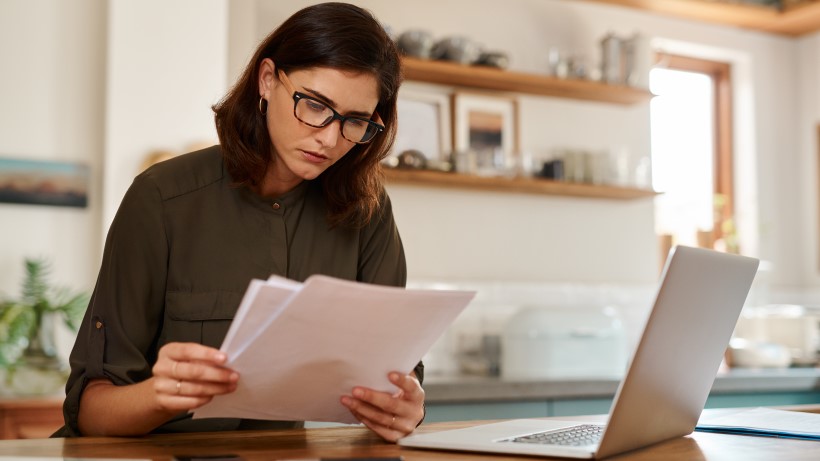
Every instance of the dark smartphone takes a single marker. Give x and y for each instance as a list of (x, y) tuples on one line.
[(389, 458), (215, 457)]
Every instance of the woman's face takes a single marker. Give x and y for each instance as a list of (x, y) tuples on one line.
[(301, 151)]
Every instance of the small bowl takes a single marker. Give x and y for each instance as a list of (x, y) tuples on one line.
[(456, 49), (416, 42), (498, 59)]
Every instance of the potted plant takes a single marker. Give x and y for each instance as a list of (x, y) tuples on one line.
[(28, 355)]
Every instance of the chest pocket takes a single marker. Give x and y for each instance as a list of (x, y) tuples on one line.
[(199, 317)]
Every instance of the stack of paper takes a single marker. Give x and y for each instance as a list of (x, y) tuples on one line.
[(299, 347), (766, 422)]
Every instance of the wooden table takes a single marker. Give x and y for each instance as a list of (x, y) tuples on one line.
[(359, 442)]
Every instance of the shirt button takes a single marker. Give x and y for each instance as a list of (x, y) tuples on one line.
[(98, 325), (276, 206)]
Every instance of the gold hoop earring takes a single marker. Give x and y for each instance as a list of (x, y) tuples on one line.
[(263, 109)]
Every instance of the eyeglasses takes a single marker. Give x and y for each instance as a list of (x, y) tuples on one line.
[(317, 114)]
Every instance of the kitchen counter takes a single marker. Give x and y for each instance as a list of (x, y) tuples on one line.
[(461, 398), (452, 389)]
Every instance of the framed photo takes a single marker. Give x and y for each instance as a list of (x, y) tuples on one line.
[(486, 126), (43, 183), (423, 124)]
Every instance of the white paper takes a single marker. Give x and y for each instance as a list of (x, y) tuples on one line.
[(767, 420), (325, 338), (262, 302)]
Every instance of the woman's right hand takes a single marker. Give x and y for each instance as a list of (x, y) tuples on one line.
[(189, 375)]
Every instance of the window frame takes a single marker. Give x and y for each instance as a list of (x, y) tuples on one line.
[(721, 76)]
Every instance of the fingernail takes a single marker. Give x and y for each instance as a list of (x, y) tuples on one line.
[(358, 392), (221, 357), (345, 400), (394, 377), (234, 377)]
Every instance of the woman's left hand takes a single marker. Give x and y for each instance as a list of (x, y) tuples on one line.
[(392, 416)]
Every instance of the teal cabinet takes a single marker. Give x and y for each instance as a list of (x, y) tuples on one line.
[(764, 399), (438, 412)]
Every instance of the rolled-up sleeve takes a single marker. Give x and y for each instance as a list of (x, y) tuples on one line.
[(118, 336)]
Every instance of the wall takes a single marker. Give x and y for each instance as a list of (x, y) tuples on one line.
[(52, 92), (160, 85), (809, 141)]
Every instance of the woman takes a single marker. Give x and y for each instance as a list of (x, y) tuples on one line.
[(293, 189)]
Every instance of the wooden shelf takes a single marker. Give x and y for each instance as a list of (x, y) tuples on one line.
[(489, 78), (492, 79), (794, 21), (30, 418), (517, 185)]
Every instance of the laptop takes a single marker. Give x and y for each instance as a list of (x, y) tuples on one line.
[(668, 379)]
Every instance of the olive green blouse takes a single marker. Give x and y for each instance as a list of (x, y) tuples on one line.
[(180, 253)]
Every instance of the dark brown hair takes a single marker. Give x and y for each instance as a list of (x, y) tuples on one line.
[(334, 35)]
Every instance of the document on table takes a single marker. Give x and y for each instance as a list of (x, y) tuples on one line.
[(299, 347), (766, 422)]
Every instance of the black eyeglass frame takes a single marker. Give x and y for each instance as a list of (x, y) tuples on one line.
[(297, 96)]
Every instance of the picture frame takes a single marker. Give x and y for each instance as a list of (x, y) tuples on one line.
[(35, 182), (424, 124), (486, 126)]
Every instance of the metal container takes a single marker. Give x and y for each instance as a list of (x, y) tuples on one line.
[(612, 65)]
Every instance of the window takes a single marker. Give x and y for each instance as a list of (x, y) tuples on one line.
[(692, 152)]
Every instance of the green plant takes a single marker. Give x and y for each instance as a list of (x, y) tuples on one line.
[(20, 320)]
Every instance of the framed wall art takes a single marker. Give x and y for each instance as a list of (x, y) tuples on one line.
[(43, 183), (486, 127), (423, 124)]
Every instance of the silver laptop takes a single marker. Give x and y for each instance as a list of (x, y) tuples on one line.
[(668, 380)]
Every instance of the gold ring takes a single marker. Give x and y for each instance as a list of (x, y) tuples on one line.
[(179, 388), (392, 422)]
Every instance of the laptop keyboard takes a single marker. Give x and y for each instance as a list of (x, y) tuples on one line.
[(584, 434)]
